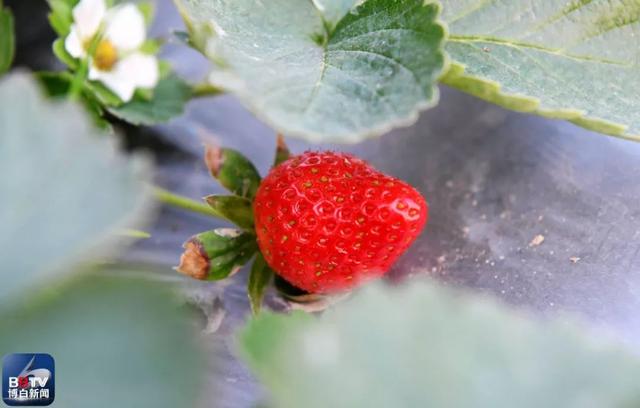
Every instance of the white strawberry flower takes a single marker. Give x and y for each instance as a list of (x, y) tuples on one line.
[(117, 61)]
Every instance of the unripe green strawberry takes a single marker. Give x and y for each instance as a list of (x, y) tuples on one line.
[(327, 222)]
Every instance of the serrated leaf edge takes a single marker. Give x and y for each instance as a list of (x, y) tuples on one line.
[(456, 77), (351, 138)]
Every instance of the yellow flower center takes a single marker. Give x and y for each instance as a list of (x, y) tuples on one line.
[(105, 56)]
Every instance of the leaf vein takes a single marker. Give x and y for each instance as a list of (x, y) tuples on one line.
[(413, 30), (556, 51), (364, 86), (571, 8), (601, 32), (398, 63), (470, 10)]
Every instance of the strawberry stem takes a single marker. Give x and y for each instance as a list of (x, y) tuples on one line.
[(282, 151), (175, 200)]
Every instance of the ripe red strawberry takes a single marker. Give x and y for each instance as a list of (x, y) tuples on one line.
[(327, 222)]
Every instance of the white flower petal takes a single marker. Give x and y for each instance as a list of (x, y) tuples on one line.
[(87, 16), (141, 69), (73, 44), (119, 84), (94, 73), (125, 28)]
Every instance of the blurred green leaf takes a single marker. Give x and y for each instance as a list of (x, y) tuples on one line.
[(56, 84), (574, 60), (168, 101), (7, 39), (430, 346), (60, 16), (328, 71), (148, 107), (64, 188), (117, 342)]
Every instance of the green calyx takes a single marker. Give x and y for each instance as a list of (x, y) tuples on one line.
[(233, 170), (282, 151), (259, 279), (216, 254), (236, 209)]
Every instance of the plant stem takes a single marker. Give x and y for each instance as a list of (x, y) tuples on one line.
[(175, 200), (78, 80), (77, 84), (205, 89), (133, 233)]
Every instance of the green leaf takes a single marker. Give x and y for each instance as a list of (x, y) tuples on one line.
[(236, 209), (65, 188), (7, 39), (117, 342), (259, 280), (168, 101), (430, 346), (574, 60), (57, 84), (233, 170), (317, 70)]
